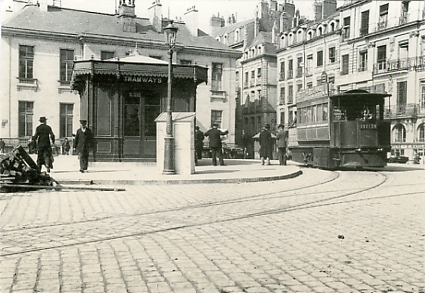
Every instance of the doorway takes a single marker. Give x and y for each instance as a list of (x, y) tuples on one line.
[(140, 112)]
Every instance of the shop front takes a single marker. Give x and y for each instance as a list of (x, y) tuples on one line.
[(121, 99)]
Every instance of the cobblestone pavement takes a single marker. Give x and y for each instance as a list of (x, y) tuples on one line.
[(321, 232)]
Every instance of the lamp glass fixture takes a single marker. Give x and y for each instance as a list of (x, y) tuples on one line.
[(171, 33)]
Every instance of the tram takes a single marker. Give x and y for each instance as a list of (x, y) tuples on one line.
[(337, 131)]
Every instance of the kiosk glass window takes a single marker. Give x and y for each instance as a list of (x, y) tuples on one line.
[(132, 115)]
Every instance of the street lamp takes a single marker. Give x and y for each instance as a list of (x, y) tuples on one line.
[(169, 168)]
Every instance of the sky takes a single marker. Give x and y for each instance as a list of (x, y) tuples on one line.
[(243, 9)]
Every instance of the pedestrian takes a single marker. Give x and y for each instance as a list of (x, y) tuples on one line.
[(214, 135), (2, 146), (44, 138), (199, 142), (65, 146), (281, 142), (266, 144), (83, 143)]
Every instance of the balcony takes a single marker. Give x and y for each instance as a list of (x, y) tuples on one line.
[(364, 31), (397, 65), (299, 72), (403, 19), (281, 76), (402, 111), (381, 25), (290, 74)]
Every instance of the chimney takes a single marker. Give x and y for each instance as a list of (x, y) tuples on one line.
[(155, 15), (318, 14), (216, 22), (127, 15), (191, 20), (328, 8)]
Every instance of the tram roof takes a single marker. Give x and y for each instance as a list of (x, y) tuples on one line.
[(358, 94)]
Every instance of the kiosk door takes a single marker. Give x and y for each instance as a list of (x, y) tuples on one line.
[(140, 112)]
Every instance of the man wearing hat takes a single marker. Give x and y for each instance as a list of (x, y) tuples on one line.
[(83, 143), (281, 142), (266, 144), (214, 135), (44, 139)]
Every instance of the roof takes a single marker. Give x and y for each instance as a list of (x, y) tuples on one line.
[(229, 28), (265, 39), (74, 23)]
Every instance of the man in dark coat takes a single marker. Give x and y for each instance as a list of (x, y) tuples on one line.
[(43, 138), (83, 143), (281, 142), (199, 142), (266, 144), (214, 135)]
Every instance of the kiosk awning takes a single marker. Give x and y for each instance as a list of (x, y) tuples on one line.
[(119, 68)]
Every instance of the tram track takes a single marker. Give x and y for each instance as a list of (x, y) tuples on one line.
[(178, 216)]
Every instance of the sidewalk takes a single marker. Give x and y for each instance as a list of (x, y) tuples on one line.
[(66, 171)]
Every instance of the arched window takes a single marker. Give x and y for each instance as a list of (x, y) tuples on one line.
[(399, 133), (282, 41), (237, 36), (421, 132), (332, 26), (310, 35)]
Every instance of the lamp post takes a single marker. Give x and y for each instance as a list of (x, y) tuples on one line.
[(169, 168)]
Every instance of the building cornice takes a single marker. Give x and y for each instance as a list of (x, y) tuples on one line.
[(110, 40)]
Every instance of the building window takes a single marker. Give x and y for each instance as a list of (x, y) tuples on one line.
[(299, 87), (422, 101), (332, 55), (185, 62), (216, 117), (399, 133), (363, 60), (290, 68), (346, 29), (66, 65), (382, 57), (217, 75), (345, 69), (421, 132), (401, 95), (404, 12), (309, 84), (308, 69), (282, 96), (383, 16), (299, 67), (237, 76), (364, 28), (106, 55), (320, 58), (66, 118), (26, 62), (26, 113), (290, 94), (258, 72), (282, 71)]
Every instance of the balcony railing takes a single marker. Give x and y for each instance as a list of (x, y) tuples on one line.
[(290, 74), (395, 65), (403, 19), (282, 75), (402, 111), (299, 71), (216, 85)]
